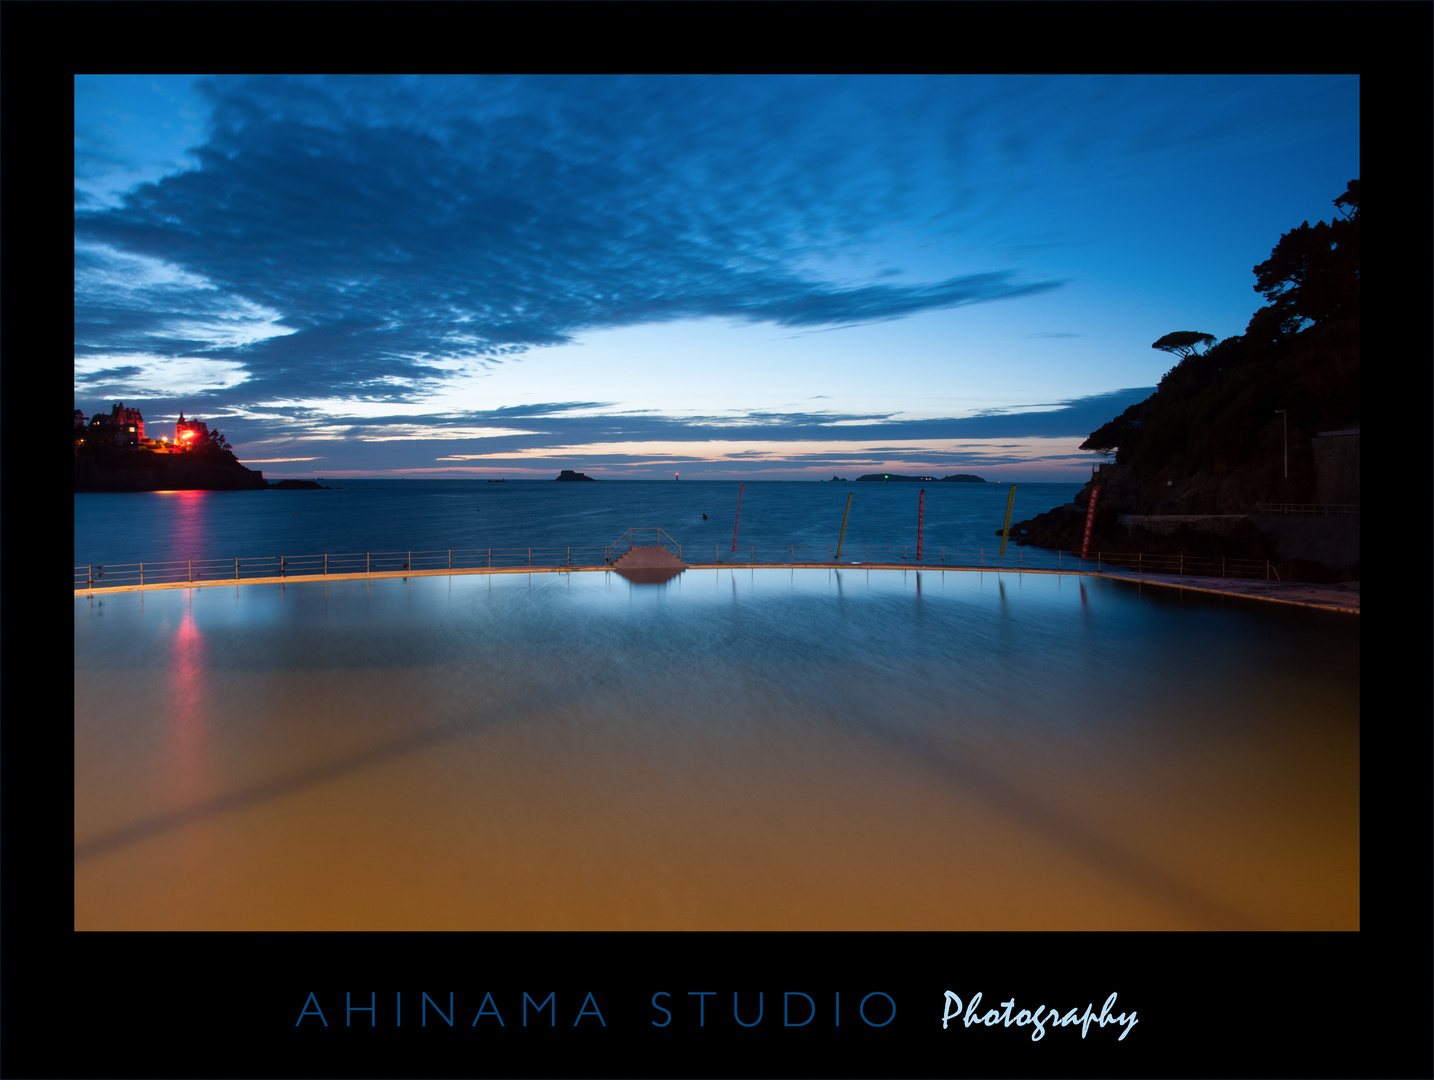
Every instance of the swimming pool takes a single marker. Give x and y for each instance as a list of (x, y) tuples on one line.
[(734, 749)]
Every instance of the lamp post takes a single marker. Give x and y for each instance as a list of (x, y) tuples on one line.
[(1286, 420)]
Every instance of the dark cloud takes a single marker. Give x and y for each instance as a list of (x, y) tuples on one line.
[(391, 223), (109, 375)]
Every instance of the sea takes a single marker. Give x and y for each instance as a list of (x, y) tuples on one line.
[(395, 515), (737, 748)]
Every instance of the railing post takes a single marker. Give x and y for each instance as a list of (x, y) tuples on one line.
[(326, 564), (367, 566), (191, 571), (490, 558), (281, 566), (236, 570), (141, 575), (450, 559)]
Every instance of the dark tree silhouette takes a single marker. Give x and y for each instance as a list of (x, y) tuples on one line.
[(1184, 343), (1311, 276)]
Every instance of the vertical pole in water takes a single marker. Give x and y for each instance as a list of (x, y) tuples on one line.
[(842, 535), (1006, 528), (738, 518), (920, 519), (1089, 521)]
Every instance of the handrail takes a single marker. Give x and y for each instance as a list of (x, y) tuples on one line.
[(628, 540), (180, 572), (1307, 508)]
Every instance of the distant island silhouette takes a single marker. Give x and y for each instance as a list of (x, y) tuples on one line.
[(898, 478), (568, 474)]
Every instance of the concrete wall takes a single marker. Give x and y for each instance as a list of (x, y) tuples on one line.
[(1330, 541), (1336, 458), (1165, 524)]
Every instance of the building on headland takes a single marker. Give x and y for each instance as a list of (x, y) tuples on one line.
[(121, 426), (188, 433), (113, 454)]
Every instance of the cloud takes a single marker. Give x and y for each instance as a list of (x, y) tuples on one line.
[(350, 236)]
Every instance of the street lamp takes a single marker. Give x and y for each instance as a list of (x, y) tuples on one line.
[(1286, 420)]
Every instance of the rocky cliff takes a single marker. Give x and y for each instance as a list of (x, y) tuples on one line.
[(117, 469)]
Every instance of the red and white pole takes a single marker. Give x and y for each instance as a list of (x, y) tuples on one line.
[(737, 520), (920, 519), (1089, 522)]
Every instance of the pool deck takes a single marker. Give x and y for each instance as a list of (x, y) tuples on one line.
[(1343, 596)]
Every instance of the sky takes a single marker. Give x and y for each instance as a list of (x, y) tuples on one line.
[(750, 278)]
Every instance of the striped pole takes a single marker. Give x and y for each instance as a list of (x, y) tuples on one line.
[(1089, 522), (737, 520), (1006, 528), (921, 517), (842, 535)]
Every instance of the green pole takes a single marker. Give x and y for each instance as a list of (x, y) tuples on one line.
[(843, 524), (1006, 528)]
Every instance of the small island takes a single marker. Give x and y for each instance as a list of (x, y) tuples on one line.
[(568, 474), (898, 478)]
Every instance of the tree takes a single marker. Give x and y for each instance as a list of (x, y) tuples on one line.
[(1110, 436), (1311, 276), (1184, 343), (215, 441)]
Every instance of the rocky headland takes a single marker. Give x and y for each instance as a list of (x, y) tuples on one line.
[(124, 469), (1249, 447)]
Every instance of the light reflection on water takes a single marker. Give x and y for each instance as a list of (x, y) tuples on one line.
[(731, 750)]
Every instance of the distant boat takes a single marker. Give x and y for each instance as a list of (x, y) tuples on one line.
[(497, 481)]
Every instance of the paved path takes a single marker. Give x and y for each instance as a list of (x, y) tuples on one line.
[(1341, 597)]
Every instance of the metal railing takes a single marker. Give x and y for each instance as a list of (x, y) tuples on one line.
[(587, 558), (641, 537), (365, 562), (1307, 508)]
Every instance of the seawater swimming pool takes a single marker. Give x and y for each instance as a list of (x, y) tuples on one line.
[(735, 749)]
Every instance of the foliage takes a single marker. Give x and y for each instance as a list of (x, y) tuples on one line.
[(1311, 277), (1184, 342), (1211, 426)]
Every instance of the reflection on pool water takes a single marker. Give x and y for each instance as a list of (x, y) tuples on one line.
[(734, 749)]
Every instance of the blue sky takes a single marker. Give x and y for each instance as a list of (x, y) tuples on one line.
[(731, 277)]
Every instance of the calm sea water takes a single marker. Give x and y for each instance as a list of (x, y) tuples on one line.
[(734, 749), (435, 515)]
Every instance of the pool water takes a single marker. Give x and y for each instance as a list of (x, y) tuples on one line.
[(734, 749)]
